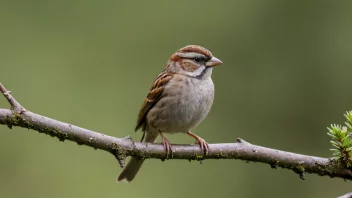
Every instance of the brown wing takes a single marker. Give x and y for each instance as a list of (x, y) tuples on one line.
[(154, 95)]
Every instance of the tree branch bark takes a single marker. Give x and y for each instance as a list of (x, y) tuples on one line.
[(123, 147), (348, 195)]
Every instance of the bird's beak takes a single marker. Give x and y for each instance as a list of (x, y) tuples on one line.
[(213, 62)]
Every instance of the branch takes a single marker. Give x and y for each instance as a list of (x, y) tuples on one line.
[(123, 147), (348, 195)]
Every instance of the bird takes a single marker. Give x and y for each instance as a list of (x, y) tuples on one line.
[(179, 99)]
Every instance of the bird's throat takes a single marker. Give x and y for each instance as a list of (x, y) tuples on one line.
[(205, 73)]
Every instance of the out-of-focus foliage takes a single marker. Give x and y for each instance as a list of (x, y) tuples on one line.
[(286, 75)]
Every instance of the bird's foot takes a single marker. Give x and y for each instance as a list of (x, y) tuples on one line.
[(204, 147), (167, 146)]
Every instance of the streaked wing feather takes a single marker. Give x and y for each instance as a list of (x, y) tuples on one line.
[(155, 94)]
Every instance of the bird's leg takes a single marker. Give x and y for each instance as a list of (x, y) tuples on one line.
[(204, 147), (167, 145)]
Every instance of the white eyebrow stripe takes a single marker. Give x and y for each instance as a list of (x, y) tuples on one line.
[(189, 55)]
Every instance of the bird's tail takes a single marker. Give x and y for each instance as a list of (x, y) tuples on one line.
[(133, 166)]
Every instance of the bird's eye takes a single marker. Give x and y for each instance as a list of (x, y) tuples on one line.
[(197, 59)]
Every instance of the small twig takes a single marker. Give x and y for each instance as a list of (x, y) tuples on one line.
[(120, 155), (17, 107), (122, 147), (242, 141)]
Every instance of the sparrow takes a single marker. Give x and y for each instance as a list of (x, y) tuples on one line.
[(179, 100)]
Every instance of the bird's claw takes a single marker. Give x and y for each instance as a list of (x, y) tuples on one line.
[(167, 146), (203, 145)]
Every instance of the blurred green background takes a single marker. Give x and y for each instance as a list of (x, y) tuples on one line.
[(286, 77)]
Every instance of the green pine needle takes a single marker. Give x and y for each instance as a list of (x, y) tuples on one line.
[(341, 140)]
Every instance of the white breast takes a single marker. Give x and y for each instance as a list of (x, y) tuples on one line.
[(186, 103)]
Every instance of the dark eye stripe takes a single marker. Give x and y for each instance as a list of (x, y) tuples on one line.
[(200, 59)]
